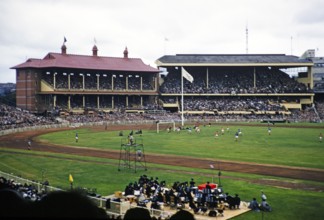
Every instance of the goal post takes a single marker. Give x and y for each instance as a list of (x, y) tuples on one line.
[(159, 125)]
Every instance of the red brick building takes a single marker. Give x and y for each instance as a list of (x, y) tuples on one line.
[(78, 82)]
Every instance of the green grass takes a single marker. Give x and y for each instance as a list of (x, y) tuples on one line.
[(103, 175), (285, 146)]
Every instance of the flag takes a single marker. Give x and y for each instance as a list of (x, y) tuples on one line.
[(186, 75), (163, 71), (65, 40), (70, 178), (211, 166)]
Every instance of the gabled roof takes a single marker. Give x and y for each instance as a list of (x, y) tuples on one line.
[(58, 60), (232, 60)]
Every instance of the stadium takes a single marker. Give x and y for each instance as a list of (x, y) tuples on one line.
[(104, 100)]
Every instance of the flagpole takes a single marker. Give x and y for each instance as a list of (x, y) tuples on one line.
[(189, 77), (182, 120)]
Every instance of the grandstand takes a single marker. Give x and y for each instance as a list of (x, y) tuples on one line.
[(74, 83), (249, 84), (245, 85)]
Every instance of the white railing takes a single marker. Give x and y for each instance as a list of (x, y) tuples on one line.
[(128, 122), (38, 186), (117, 122)]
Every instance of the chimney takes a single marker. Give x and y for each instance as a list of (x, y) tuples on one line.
[(126, 53), (94, 51), (63, 49)]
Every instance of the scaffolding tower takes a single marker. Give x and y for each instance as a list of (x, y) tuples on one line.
[(132, 155)]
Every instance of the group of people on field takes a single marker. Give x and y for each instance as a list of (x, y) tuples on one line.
[(263, 206)]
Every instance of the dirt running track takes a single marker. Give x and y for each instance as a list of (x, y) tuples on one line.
[(19, 141)]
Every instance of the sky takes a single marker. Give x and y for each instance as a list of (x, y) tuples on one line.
[(153, 28)]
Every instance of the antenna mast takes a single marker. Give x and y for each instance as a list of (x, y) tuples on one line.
[(247, 38), (291, 45)]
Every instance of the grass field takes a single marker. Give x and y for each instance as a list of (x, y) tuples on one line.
[(285, 146)]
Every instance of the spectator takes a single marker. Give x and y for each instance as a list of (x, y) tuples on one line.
[(12, 205), (62, 204), (254, 205), (237, 201), (264, 206), (263, 196), (137, 213), (182, 215)]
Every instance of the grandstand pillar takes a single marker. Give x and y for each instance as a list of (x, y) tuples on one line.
[(54, 101), (112, 82), (98, 102), (113, 102), (155, 82), (83, 101), (69, 102), (54, 80), (207, 78), (310, 78), (69, 81), (254, 78), (83, 84), (98, 81)]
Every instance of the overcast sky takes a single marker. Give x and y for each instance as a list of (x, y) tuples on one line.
[(153, 28)]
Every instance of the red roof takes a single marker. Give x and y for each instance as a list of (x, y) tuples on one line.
[(59, 60)]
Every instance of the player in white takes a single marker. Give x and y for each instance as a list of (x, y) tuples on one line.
[(320, 137), (29, 144)]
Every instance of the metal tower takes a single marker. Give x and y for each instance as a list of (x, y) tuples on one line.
[(132, 155)]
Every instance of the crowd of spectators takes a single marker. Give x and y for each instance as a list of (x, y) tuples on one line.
[(319, 106), (87, 81), (231, 104), (308, 114), (234, 82), (12, 117), (156, 194), (24, 201), (119, 117), (28, 192), (184, 198), (61, 81), (262, 80)]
